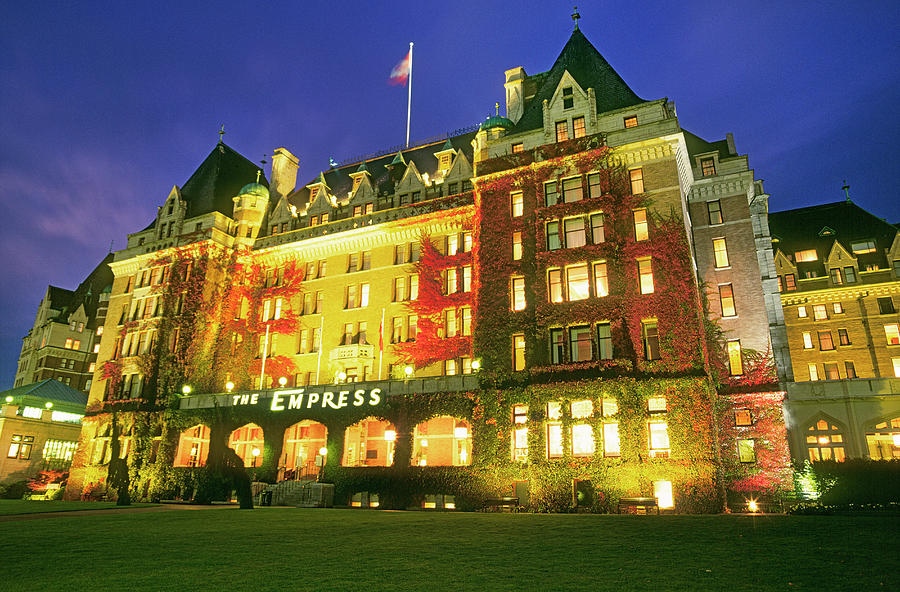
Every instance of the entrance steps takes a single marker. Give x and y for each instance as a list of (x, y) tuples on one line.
[(302, 494)]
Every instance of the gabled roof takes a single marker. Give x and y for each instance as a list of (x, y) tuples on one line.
[(590, 70), (60, 298), (47, 390), (217, 180), (799, 229)]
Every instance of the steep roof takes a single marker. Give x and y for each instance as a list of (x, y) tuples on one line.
[(217, 180), (60, 298), (697, 145), (802, 228), (47, 390), (340, 183), (590, 70)]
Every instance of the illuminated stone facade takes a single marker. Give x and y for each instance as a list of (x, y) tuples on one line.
[(486, 300)]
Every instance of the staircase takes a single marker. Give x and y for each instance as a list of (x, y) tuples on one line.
[(303, 494)]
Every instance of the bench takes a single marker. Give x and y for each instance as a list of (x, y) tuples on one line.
[(638, 502), (497, 504)]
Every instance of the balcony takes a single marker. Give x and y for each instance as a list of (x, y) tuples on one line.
[(356, 351)]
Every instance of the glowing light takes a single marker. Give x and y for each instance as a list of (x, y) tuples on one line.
[(9, 399), (424, 443), (895, 438), (752, 505), (461, 432), (408, 371), (282, 381), (423, 463), (255, 451), (48, 405), (229, 386), (342, 376), (823, 440), (476, 364), (662, 490), (390, 435), (186, 389), (323, 451)]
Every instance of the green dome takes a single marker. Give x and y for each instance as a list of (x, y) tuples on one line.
[(254, 189), (496, 121)]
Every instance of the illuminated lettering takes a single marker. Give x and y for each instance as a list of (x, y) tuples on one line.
[(254, 398), (374, 396), (276, 402), (328, 399), (342, 399), (296, 400), (358, 398), (234, 399), (244, 399), (311, 399)]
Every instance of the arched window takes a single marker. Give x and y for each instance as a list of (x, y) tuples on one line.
[(883, 442), (301, 456), (442, 442), (193, 446), (247, 442), (824, 441), (369, 443)]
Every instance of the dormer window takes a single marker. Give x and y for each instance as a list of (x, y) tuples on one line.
[(519, 147), (562, 131), (578, 127), (862, 247), (631, 121), (444, 163), (171, 208), (356, 181), (568, 98), (708, 167), (313, 192), (806, 256)]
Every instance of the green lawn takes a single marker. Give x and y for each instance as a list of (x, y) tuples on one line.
[(10, 507), (297, 549)]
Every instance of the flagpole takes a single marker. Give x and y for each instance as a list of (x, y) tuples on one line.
[(262, 370), (381, 347), (409, 100), (319, 357)]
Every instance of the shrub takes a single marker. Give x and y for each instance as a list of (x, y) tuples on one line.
[(853, 481)]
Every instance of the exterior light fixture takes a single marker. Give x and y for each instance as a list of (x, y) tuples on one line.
[(752, 505), (48, 405), (342, 376), (186, 389), (282, 381), (9, 399), (229, 386), (323, 451), (476, 365), (390, 435), (408, 371), (255, 451)]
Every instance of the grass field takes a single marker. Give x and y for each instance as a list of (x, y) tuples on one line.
[(297, 549), (13, 507)]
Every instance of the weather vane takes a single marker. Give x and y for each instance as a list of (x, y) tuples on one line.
[(221, 132), (846, 189), (576, 16)]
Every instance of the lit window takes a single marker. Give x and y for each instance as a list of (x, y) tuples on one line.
[(892, 334), (790, 282), (577, 282), (557, 346), (806, 256), (578, 127), (572, 189), (450, 281), (467, 242), (594, 188), (68, 344), (580, 346), (604, 341), (721, 252), (807, 340), (656, 404), (820, 313), (516, 246), (659, 439), (801, 312), (742, 417), (631, 121), (726, 297), (96, 348), (582, 440), (452, 246), (516, 203), (554, 285), (884, 440), (708, 167), (843, 337), (838, 308), (551, 195), (714, 209), (562, 131), (575, 235), (598, 232), (518, 342), (611, 439), (553, 241), (519, 147), (662, 491), (637, 181), (601, 280), (896, 364), (813, 371), (824, 441), (640, 225), (645, 273), (467, 278), (831, 371), (520, 433), (554, 440), (863, 247), (836, 277), (650, 334), (825, 341), (20, 447), (735, 364), (517, 293), (746, 450)]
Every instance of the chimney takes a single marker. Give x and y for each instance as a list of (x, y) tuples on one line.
[(284, 173), (729, 138), (515, 93)]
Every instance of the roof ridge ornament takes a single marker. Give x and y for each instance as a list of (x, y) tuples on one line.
[(575, 16), (846, 189), (221, 133)]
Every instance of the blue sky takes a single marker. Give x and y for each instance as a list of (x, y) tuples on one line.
[(105, 106)]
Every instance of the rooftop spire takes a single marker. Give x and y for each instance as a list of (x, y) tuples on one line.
[(846, 189), (221, 133), (576, 16)]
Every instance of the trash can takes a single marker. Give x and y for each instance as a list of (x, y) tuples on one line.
[(265, 498)]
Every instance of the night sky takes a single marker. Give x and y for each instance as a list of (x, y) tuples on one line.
[(104, 108)]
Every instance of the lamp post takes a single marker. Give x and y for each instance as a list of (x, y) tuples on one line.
[(186, 390), (229, 386), (282, 381)]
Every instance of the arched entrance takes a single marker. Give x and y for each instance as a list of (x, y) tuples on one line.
[(442, 442), (301, 456), (193, 446), (247, 442), (369, 443)]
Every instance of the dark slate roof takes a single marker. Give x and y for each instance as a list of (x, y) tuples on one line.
[(590, 70), (47, 390), (799, 229), (217, 180), (88, 292), (60, 298), (384, 175), (697, 145)]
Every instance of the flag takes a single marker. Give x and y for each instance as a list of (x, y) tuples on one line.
[(400, 73)]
